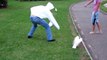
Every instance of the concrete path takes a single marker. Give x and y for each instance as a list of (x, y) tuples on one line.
[(96, 43)]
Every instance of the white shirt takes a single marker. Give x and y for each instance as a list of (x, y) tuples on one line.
[(44, 12)]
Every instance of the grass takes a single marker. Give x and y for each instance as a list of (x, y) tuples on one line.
[(103, 8), (15, 25)]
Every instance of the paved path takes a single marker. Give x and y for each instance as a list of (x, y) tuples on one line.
[(96, 43)]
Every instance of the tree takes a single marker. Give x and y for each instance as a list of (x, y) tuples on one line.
[(3, 3)]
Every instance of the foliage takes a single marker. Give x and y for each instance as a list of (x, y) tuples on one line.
[(3, 3), (103, 8)]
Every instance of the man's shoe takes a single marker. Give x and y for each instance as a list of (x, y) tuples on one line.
[(29, 36), (51, 40)]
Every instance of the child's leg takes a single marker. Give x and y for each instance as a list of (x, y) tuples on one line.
[(98, 23), (99, 27), (93, 28), (93, 19)]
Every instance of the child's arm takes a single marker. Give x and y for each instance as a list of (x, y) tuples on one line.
[(89, 2)]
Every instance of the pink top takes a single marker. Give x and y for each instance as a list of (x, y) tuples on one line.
[(96, 5)]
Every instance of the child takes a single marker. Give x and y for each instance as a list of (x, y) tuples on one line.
[(95, 15)]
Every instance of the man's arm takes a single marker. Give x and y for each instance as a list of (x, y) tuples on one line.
[(50, 24), (52, 20)]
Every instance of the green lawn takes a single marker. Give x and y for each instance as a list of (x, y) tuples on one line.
[(15, 25)]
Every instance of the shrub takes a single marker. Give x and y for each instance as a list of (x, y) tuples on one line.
[(3, 3)]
